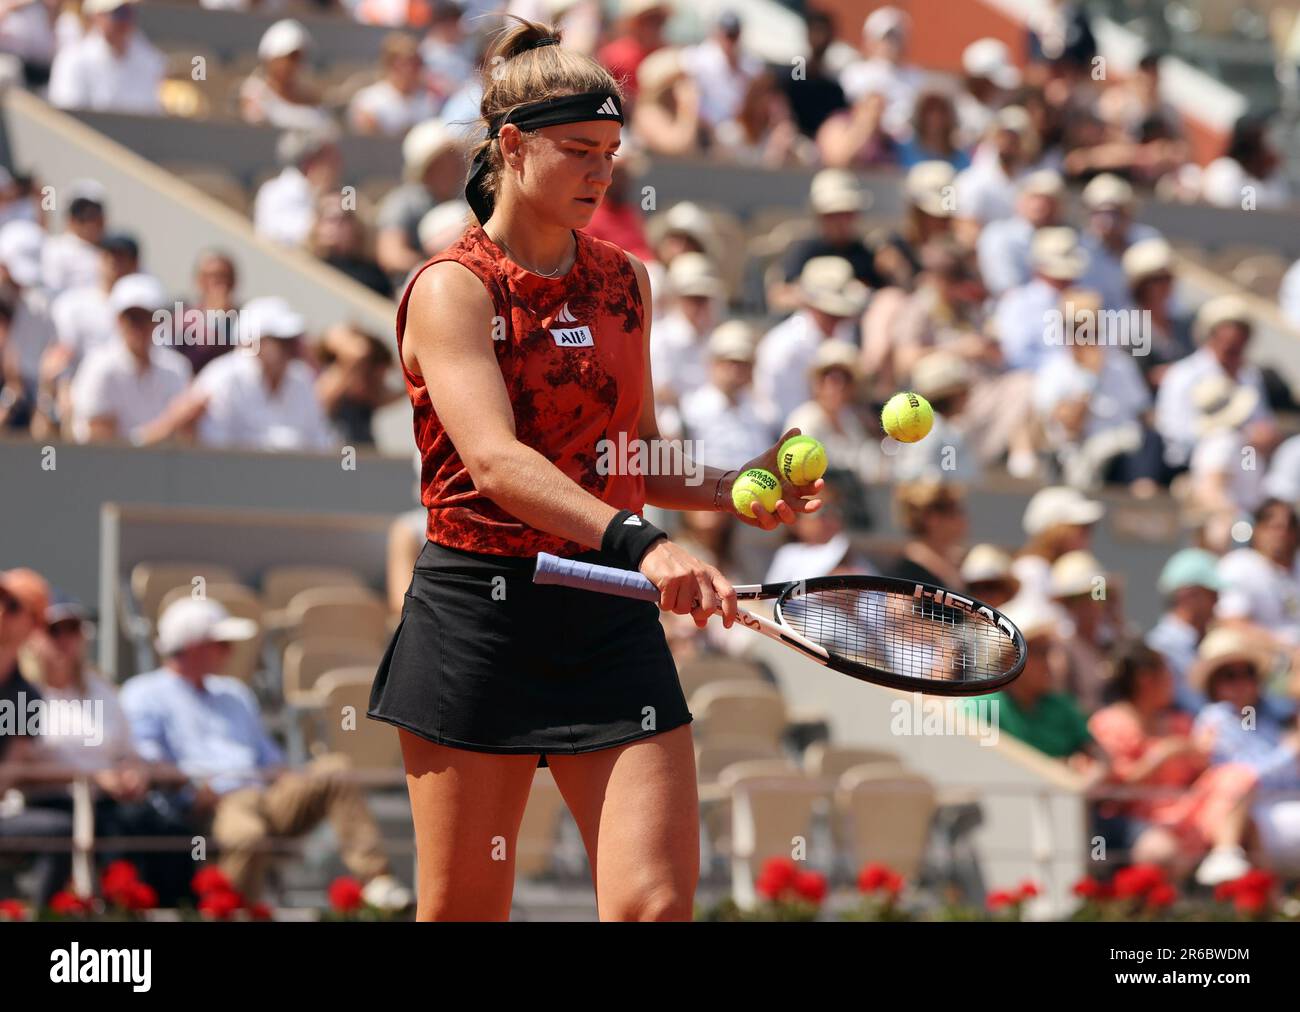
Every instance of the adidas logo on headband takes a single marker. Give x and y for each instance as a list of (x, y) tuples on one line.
[(608, 108)]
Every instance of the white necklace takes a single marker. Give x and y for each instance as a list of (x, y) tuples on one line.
[(554, 274)]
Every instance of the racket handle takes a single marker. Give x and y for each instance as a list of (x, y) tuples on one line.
[(585, 576)]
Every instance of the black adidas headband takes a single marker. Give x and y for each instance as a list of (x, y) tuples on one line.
[(587, 105)]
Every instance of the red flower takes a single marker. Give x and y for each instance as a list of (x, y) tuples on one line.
[(1088, 888), (1257, 880), (1225, 891), (893, 884), (1028, 889), (220, 903), (1162, 895), (139, 896), (117, 876), (260, 912), (1251, 901), (12, 910), (1137, 880), (1001, 898), (210, 879), (345, 894), (811, 885), (875, 875), (66, 902)]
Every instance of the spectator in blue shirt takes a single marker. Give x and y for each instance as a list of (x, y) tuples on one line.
[(1190, 584)]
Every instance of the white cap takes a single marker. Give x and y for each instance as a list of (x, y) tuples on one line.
[(282, 38), (103, 6), (1060, 504), (1033, 616), (1107, 190), (137, 291), (986, 562), (659, 69), (87, 189), (940, 372), (691, 219), (423, 143), (1074, 572), (733, 341), (882, 21), (442, 218), (828, 284), (1015, 118), (926, 185), (695, 274), (1043, 183), (271, 316), (1145, 258), (835, 354), (21, 242), (835, 190), (190, 621), (1222, 309), (1056, 253), (991, 60)]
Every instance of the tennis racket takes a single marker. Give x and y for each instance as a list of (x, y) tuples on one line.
[(906, 635)]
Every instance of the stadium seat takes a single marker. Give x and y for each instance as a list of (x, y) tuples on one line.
[(746, 710), (281, 583), (306, 660), (823, 759), (341, 724), (151, 581), (769, 808), (706, 668), (885, 814)]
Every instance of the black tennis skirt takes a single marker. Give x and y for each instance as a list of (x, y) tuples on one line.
[(485, 659)]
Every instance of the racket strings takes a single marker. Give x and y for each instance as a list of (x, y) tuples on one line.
[(913, 637)]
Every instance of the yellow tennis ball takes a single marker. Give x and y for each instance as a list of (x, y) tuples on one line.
[(907, 417), (802, 460), (755, 485)]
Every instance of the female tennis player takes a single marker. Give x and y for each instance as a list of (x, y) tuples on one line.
[(524, 345)]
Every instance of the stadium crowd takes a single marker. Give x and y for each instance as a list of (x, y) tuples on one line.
[(987, 295)]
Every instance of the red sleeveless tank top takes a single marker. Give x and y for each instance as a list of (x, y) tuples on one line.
[(571, 355)]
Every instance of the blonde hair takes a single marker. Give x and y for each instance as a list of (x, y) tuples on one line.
[(515, 74)]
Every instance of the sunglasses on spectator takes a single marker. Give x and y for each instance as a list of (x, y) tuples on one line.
[(65, 627)]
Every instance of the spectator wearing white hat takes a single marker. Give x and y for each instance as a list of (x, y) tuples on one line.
[(275, 93), (944, 378), (1149, 272), (112, 68), (442, 226), (723, 414), (266, 400), (819, 546), (285, 206), (987, 190), (1222, 330), (884, 70), (989, 75), (207, 725), (30, 329), (837, 201), (831, 415), (678, 355), (1109, 233), (832, 301), (1093, 404), (986, 573), (722, 69), (930, 207), (121, 389), (683, 228), (1022, 319), (666, 119), (1261, 582), (1190, 585), (71, 258), (1088, 598), (1227, 481), (433, 164), (1004, 245), (1283, 478), (932, 513), (400, 98), (1057, 520)]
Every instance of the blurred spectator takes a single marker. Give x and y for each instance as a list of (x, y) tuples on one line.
[(1283, 478), (1222, 330), (18, 200), (934, 135), (986, 191), (1060, 32), (208, 726), (285, 206), (338, 237), (15, 396), (27, 31), (1004, 245), (944, 379), (683, 228), (212, 310), (398, 100), (883, 70), (82, 319), (1082, 589), (666, 119), (930, 196), (1029, 708), (1261, 583), (1110, 232), (1150, 745), (112, 68), (854, 137), (837, 202), (443, 226), (275, 92), (819, 546), (763, 132), (678, 353), (1093, 405), (831, 416), (1288, 295), (447, 54), (619, 218), (1230, 673), (1135, 113), (1023, 315), (1226, 479), (815, 93), (721, 70), (353, 381), (989, 76), (986, 574), (30, 328), (1149, 271), (124, 386), (1249, 174), (433, 161), (266, 400), (723, 414), (639, 33), (1190, 584), (933, 515), (1058, 519), (72, 257), (832, 300)]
